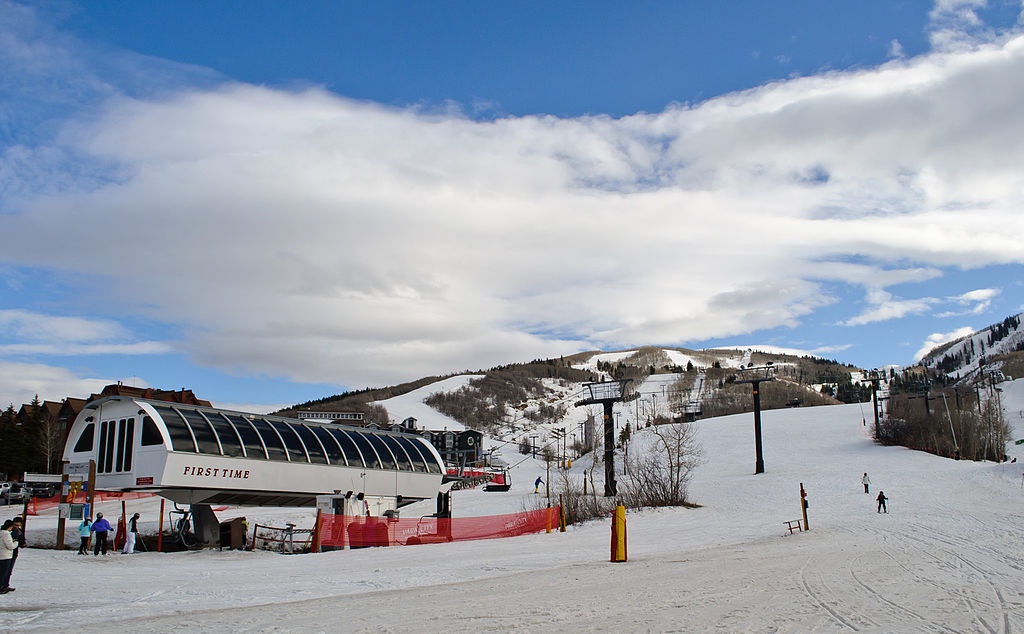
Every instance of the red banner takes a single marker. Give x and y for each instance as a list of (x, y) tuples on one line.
[(361, 532)]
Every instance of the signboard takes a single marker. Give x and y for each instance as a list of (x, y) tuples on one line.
[(63, 510), (78, 511), (75, 468), (1019, 442), (142, 481)]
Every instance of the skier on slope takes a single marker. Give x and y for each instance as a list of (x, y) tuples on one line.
[(536, 485), (881, 502), (865, 481)]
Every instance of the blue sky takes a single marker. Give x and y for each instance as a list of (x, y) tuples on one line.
[(272, 202)]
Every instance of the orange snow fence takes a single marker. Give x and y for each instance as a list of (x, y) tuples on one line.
[(43, 504), (340, 531)]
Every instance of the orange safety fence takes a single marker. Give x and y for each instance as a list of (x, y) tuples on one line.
[(340, 531), (43, 504)]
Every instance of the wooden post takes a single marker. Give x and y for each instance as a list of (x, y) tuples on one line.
[(803, 505), (547, 483), (561, 515), (160, 531), (315, 546), (91, 497)]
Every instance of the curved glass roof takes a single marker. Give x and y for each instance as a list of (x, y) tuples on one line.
[(216, 432)]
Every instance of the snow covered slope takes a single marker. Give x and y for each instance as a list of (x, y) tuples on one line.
[(946, 557)]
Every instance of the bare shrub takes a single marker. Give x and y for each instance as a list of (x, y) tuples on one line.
[(975, 431), (659, 468)]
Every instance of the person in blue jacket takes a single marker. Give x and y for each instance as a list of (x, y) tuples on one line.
[(84, 532), (536, 485), (101, 526)]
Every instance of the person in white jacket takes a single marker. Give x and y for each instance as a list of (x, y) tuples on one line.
[(7, 548), (865, 481)]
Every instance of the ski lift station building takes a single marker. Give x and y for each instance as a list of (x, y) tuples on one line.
[(192, 454)]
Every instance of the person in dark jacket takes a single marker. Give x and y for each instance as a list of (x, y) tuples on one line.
[(101, 526), (536, 485), (881, 502), (18, 533), (133, 534)]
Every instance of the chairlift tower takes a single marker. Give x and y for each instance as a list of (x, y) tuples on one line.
[(607, 393), (756, 375)]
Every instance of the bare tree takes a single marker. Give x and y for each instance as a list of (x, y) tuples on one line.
[(660, 468), (51, 433)]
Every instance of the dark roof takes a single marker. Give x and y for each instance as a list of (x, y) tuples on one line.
[(183, 396)]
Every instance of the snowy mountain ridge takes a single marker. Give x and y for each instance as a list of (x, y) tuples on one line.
[(964, 358)]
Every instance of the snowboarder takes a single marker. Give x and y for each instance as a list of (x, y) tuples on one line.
[(536, 485), (881, 502), (865, 481)]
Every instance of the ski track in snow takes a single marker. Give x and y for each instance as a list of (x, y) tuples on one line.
[(946, 558)]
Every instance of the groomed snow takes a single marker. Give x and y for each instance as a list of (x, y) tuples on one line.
[(946, 557)]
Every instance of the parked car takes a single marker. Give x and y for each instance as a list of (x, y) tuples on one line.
[(19, 492), (5, 492), (44, 490)]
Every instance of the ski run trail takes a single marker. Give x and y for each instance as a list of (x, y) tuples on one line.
[(947, 557)]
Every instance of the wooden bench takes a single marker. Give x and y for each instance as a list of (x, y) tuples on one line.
[(794, 525)]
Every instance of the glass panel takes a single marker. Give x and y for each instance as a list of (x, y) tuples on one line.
[(424, 447), (206, 439), (291, 440), (330, 443), (401, 458), (352, 453), (85, 440), (419, 463), (316, 452), (108, 457), (129, 444), (103, 447), (250, 437), (181, 436), (150, 433), (373, 461), (275, 447), (229, 441), (119, 459)]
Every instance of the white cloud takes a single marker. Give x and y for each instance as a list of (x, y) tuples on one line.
[(60, 335), (938, 338), (20, 382), (883, 307), (976, 302), (312, 236)]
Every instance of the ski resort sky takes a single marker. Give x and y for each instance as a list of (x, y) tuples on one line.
[(271, 202)]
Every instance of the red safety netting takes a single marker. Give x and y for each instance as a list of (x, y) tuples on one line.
[(359, 532), (43, 504)]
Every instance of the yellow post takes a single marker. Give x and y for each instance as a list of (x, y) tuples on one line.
[(561, 515), (619, 534), (160, 531), (803, 505)]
